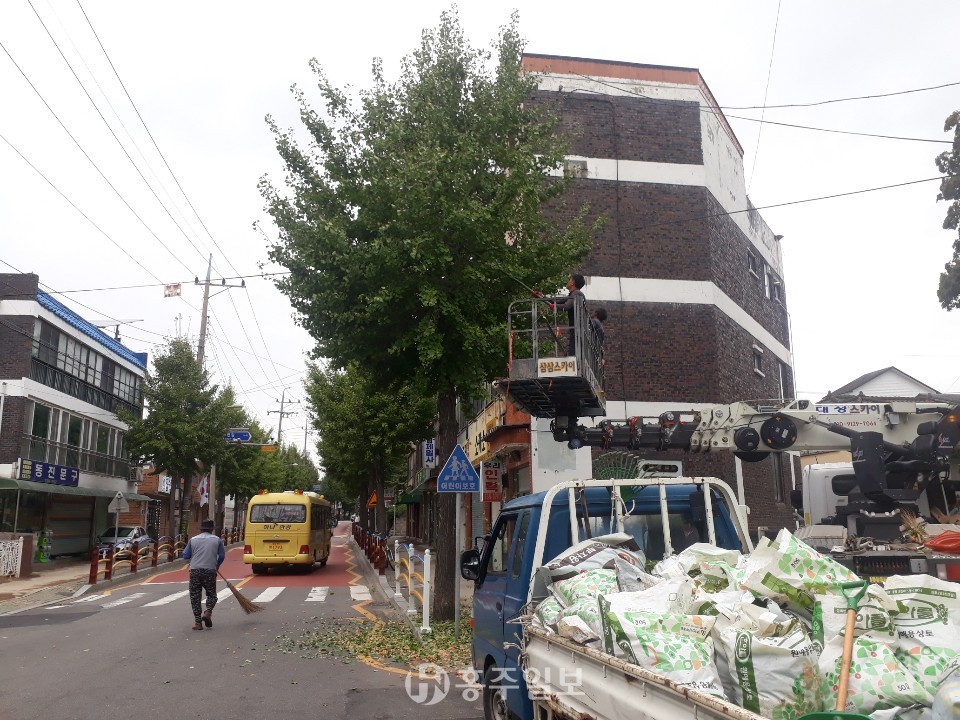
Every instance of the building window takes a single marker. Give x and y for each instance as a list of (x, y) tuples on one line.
[(782, 368), (774, 288), (758, 360), (754, 266)]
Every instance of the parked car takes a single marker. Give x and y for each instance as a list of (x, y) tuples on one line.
[(123, 538)]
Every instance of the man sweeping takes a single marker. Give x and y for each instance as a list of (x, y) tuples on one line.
[(205, 553)]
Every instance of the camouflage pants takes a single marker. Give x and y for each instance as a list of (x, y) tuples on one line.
[(202, 581)]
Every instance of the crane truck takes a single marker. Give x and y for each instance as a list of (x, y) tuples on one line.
[(901, 452)]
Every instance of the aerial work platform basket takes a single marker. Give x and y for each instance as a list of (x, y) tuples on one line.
[(556, 369)]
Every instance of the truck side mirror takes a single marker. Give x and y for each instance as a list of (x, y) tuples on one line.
[(479, 542), (470, 565)]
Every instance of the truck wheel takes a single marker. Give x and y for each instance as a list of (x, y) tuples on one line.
[(494, 698)]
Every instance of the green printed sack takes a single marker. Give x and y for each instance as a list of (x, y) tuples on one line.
[(548, 612), (875, 613), (586, 584), (878, 680), (767, 662), (676, 646), (928, 628), (587, 610)]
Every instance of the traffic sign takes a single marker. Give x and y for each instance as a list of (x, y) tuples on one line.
[(118, 504), (458, 475), (372, 501), (238, 435)]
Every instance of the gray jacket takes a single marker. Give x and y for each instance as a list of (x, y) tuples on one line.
[(205, 552)]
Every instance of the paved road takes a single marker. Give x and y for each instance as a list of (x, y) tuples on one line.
[(130, 652)]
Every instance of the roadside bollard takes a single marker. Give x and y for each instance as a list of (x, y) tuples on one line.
[(135, 559), (94, 565), (156, 554), (427, 583), (396, 569), (108, 575)]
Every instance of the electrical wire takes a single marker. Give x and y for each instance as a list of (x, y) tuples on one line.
[(766, 90), (89, 159), (837, 100)]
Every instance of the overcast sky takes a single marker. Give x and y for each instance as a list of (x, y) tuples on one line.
[(861, 271)]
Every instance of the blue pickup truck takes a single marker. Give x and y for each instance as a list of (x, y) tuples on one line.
[(664, 515)]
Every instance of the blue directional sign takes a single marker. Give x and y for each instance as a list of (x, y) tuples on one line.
[(238, 435), (458, 475)]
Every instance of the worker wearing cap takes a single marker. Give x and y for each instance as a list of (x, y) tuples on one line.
[(205, 553)]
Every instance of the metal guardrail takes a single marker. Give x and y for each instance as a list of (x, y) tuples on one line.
[(406, 570), (107, 563)]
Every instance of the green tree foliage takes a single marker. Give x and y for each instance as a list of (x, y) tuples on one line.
[(949, 164), (366, 427), (186, 420), (415, 217)]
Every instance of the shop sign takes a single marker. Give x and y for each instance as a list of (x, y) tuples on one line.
[(492, 484), (42, 472)]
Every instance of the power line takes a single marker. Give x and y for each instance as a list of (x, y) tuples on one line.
[(716, 112), (837, 100), (87, 156), (127, 154), (766, 90)]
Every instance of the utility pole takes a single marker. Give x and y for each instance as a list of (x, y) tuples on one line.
[(282, 401), (201, 346)]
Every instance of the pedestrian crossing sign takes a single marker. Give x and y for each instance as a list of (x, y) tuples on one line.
[(458, 475)]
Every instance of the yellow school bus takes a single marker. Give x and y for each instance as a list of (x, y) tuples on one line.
[(287, 529)]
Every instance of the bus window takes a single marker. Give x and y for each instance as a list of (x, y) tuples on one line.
[(278, 513)]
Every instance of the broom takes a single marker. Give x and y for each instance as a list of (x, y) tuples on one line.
[(248, 606)]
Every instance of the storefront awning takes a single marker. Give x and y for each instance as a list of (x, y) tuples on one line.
[(28, 486)]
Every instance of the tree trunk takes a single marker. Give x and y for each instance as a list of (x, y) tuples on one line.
[(185, 497), (445, 532), (378, 483)]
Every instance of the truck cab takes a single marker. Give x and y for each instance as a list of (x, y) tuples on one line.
[(664, 515)]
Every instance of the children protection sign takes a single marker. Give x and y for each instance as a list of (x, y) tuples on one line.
[(458, 475)]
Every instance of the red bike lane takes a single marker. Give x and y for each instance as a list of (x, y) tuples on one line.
[(341, 569)]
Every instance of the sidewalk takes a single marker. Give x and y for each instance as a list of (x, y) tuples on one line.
[(61, 578)]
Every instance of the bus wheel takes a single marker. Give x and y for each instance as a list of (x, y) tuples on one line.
[(323, 563), (259, 569)]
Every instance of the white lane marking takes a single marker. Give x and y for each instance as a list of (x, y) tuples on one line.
[(168, 599), (317, 594), (224, 594), (124, 600), (360, 592), (269, 594), (89, 599)]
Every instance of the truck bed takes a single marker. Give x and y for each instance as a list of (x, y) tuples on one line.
[(568, 680)]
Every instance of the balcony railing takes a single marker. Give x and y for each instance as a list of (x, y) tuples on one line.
[(44, 450), (75, 387)]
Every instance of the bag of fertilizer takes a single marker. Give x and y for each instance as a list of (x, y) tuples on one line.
[(791, 572), (875, 613), (548, 612), (767, 662), (631, 577), (676, 646), (595, 553), (586, 611), (878, 680), (586, 584), (711, 603), (669, 596), (928, 628)]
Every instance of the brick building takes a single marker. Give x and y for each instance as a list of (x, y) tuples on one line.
[(692, 283), (62, 453)]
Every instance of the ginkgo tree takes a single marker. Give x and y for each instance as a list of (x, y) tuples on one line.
[(949, 164), (416, 215)]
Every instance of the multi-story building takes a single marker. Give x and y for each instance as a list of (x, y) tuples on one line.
[(62, 452), (690, 274)]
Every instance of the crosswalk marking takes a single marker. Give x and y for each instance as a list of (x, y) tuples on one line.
[(317, 594), (269, 594), (90, 599), (123, 600), (168, 599), (359, 593)]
